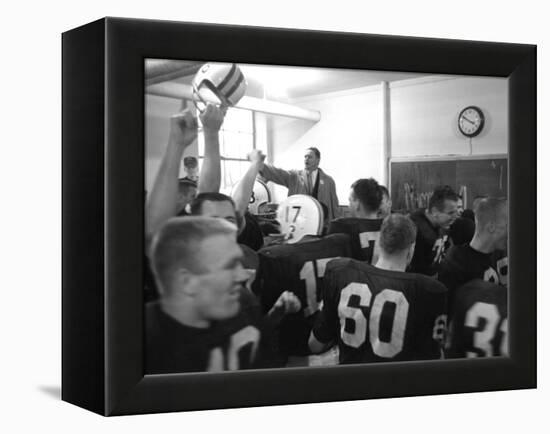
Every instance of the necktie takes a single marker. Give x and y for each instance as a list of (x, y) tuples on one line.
[(309, 183)]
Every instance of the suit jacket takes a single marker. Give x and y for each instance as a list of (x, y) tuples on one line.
[(296, 182)]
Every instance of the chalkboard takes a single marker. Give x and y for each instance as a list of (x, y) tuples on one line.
[(412, 182)]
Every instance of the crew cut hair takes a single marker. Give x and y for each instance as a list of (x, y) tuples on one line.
[(175, 245), (398, 233), (489, 210), (440, 195), (368, 193), (196, 205)]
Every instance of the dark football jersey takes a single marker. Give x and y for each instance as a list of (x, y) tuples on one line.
[(430, 246), (363, 233), (378, 315), (499, 262), (462, 264), (479, 325), (462, 231), (251, 235), (298, 268), (227, 345)]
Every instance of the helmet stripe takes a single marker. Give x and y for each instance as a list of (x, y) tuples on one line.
[(228, 77), (235, 86)]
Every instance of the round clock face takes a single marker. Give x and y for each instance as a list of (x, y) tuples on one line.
[(470, 121)]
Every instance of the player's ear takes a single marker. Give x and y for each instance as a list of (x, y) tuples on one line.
[(185, 282)]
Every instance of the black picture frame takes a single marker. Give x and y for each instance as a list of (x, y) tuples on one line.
[(103, 178)]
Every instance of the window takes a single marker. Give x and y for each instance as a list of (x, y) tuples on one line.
[(236, 141)]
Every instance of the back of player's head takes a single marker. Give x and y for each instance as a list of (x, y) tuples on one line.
[(315, 151), (441, 194), (196, 205), (477, 199), (397, 234), (490, 210), (368, 193), (176, 244)]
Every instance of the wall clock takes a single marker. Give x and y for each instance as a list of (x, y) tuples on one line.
[(471, 121)]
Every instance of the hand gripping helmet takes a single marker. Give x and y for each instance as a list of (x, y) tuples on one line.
[(300, 215), (220, 83)]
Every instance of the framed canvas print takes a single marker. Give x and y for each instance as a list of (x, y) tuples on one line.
[(257, 216)]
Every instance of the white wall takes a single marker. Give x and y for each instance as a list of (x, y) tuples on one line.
[(349, 136), (158, 110), (424, 115)]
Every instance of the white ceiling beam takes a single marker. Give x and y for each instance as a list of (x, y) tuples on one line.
[(185, 91)]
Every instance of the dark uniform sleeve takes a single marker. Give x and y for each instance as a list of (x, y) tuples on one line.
[(419, 263), (433, 314), (449, 277), (339, 227)]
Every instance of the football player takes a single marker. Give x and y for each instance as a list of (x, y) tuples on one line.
[(198, 268), (298, 266), (432, 224), (363, 226), (206, 318), (479, 324), (382, 313), (477, 260)]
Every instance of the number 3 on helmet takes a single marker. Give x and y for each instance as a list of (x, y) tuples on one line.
[(300, 215), (258, 199), (220, 83)]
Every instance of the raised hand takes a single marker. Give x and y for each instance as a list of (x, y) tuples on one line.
[(287, 303), (256, 156), (212, 118), (183, 128)]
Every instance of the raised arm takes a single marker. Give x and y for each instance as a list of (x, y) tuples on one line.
[(243, 191), (276, 175), (210, 176), (162, 201)]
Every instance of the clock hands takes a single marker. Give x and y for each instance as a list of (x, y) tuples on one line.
[(470, 121), (465, 118)]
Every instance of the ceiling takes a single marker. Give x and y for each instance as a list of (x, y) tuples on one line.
[(284, 83)]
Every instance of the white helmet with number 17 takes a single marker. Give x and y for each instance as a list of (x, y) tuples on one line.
[(300, 215)]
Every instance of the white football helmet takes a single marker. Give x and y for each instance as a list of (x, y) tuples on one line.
[(221, 83), (300, 215), (259, 198)]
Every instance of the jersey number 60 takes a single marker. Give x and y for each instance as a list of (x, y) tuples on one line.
[(347, 313)]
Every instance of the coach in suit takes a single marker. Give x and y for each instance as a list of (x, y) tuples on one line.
[(311, 181)]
